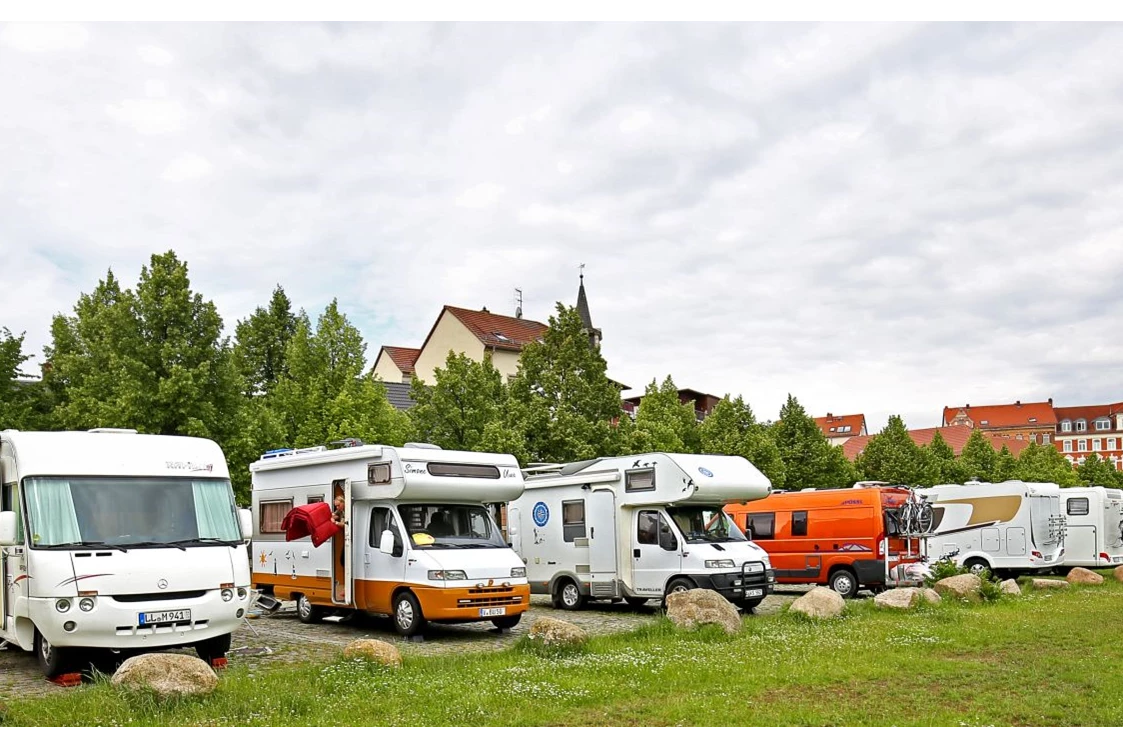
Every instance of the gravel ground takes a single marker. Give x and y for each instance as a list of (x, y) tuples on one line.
[(275, 638)]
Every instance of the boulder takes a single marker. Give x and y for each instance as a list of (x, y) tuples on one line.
[(166, 674), (901, 598), (1080, 575), (1049, 584), (820, 602), (1118, 573), (556, 633), (931, 596), (375, 651), (961, 586), (689, 609), (1010, 587)]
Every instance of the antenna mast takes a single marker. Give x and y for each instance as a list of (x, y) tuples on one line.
[(518, 303)]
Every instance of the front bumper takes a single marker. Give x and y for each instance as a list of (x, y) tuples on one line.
[(736, 587), (464, 604)]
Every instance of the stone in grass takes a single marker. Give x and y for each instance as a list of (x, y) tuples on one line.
[(820, 602), (689, 609), (962, 586), (553, 632), (902, 598), (1118, 573), (1080, 575), (1010, 587), (166, 674), (374, 650), (1050, 584)]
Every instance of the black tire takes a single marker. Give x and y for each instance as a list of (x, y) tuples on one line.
[(507, 622), (210, 650), (408, 618), (54, 661), (844, 583), (636, 603), (306, 612), (677, 585), (976, 565), (749, 605), (567, 595)]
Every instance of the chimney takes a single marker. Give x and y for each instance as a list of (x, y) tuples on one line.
[(829, 415), (485, 311), (1017, 403), (1050, 402)]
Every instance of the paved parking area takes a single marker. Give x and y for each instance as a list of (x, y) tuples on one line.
[(277, 638)]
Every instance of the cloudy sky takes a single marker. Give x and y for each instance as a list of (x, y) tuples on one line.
[(875, 218)]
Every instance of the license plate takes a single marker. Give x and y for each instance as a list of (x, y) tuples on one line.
[(487, 612), (754, 593), (165, 616)]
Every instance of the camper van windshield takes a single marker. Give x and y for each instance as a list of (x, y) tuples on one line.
[(130, 512), (705, 525), (450, 526)]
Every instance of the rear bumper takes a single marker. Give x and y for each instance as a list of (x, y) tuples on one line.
[(464, 604)]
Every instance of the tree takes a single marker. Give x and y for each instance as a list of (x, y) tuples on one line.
[(21, 399), (466, 397), (809, 459), (325, 395), (561, 403), (893, 456), (262, 342), (978, 457), (663, 424), (1095, 471), (1005, 465), (731, 428), (1043, 464), (940, 464)]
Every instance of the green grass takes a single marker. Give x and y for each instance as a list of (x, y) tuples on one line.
[(1038, 659)]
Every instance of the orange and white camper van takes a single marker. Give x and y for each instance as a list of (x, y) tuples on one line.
[(846, 538)]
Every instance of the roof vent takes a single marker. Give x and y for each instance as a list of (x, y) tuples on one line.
[(420, 445), (112, 431), (348, 442)]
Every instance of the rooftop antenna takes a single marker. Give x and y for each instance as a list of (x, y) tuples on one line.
[(518, 303), (582, 271)]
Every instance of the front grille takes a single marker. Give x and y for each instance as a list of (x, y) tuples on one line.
[(163, 628), (152, 597)]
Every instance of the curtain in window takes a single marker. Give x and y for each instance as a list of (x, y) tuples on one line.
[(214, 512), (51, 507)]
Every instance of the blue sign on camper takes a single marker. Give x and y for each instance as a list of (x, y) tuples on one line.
[(541, 514)]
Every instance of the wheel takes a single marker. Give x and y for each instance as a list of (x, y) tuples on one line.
[(507, 622), (408, 619), (54, 661), (681, 584), (210, 650), (925, 518), (844, 583), (306, 612), (749, 605), (636, 603), (567, 595), (976, 565)]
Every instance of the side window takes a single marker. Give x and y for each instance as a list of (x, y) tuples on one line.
[(761, 525), (639, 480), (647, 528), (573, 520), (1077, 507), (799, 523), (10, 503), (379, 521), (317, 499), (272, 514)]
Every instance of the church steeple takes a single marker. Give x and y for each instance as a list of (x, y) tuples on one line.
[(583, 311)]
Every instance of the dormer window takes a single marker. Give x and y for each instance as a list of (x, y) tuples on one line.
[(1103, 424), (501, 337), (1081, 425), (1066, 425)]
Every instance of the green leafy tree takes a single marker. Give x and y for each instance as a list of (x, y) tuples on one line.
[(940, 463), (1041, 464), (893, 456), (663, 424), (561, 403), (1005, 465), (731, 428), (22, 400), (261, 343), (1095, 471), (325, 395), (465, 398), (978, 458), (809, 459)]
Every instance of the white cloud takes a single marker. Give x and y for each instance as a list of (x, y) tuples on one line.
[(152, 116), (44, 37), (516, 126), (187, 167), (482, 195), (150, 55), (564, 167), (635, 121)]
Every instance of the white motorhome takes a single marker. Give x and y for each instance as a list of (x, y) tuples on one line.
[(638, 528), (1009, 526), (1095, 526), (113, 540), (420, 541)]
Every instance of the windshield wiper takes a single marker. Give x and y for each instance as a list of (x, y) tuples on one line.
[(87, 544), (478, 545), (214, 541)]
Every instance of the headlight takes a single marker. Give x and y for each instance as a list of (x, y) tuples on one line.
[(227, 594), (62, 605), (518, 571), (447, 575), (720, 563), (242, 593), (86, 604), (754, 567)]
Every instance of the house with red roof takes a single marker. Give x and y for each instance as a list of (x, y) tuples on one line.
[(1029, 422), (702, 402), (1091, 429), (840, 429), (955, 436)]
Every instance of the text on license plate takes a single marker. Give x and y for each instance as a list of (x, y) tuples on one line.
[(165, 616), (485, 612), (754, 593)]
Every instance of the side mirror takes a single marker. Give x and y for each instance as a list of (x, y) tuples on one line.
[(667, 540), (7, 528), (245, 522), (386, 542), (748, 534)]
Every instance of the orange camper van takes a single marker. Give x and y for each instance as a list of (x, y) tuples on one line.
[(832, 537)]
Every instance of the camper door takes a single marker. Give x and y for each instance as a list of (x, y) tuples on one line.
[(655, 552), (342, 563)]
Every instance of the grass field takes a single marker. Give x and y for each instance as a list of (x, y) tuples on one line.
[(1038, 659)]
